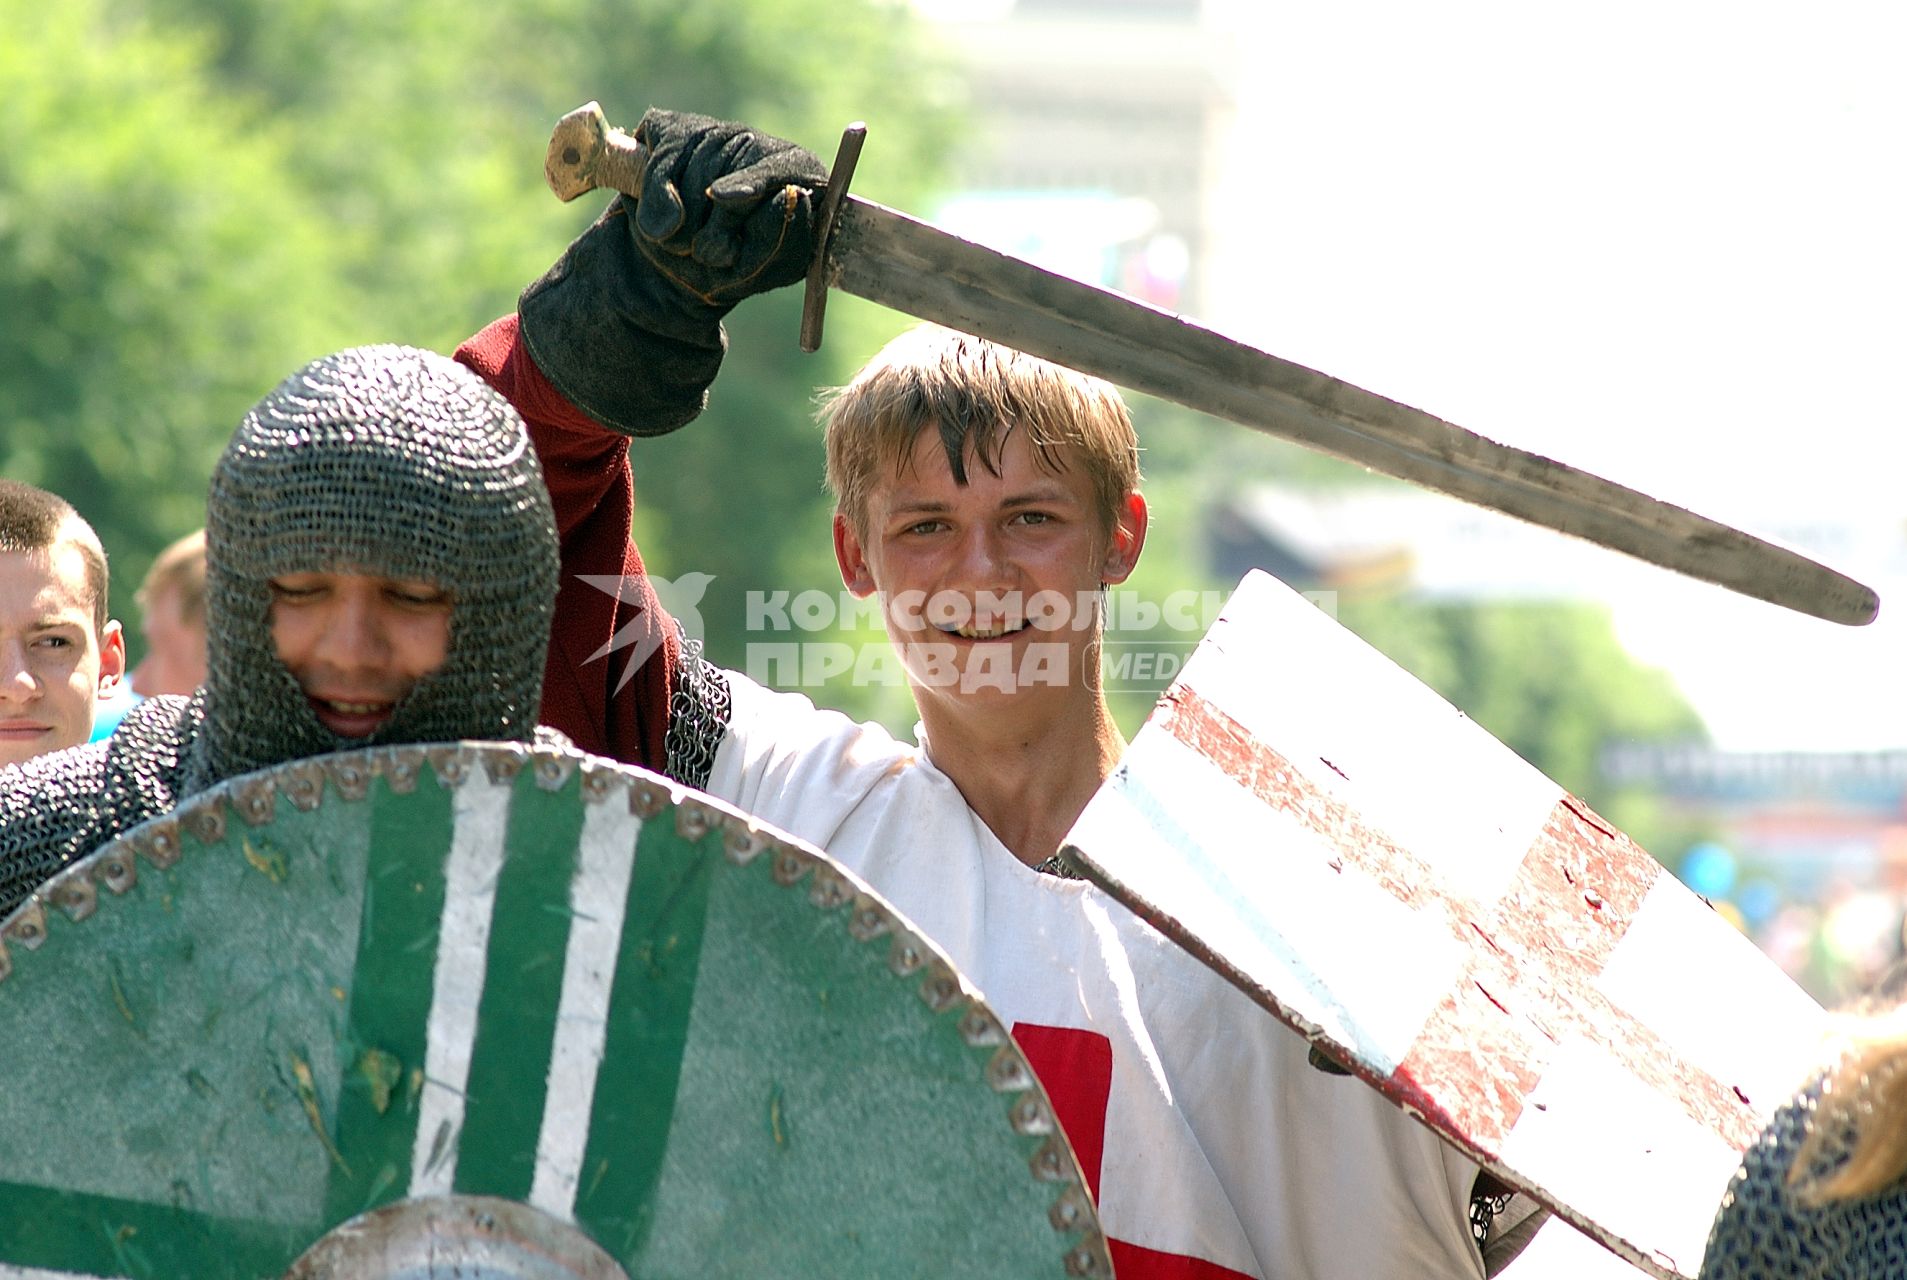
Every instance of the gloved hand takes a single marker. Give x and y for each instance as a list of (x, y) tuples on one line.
[(627, 324), (725, 212)]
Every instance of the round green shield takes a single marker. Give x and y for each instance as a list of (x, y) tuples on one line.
[(469, 998)]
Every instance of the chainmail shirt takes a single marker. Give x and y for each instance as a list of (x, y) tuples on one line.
[(59, 807), (699, 709), (1761, 1233)]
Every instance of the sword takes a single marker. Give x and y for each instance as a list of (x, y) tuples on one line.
[(887, 257)]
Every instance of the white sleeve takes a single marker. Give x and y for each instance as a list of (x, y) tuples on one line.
[(799, 767)]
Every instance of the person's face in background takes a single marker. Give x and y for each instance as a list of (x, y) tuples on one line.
[(175, 649), (55, 662)]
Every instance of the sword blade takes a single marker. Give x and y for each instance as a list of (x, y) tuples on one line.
[(885, 256)]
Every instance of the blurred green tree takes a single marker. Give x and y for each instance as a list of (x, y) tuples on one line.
[(198, 195), (153, 263)]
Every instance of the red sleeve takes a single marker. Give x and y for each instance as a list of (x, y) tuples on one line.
[(607, 615)]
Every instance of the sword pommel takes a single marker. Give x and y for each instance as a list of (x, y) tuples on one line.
[(586, 153)]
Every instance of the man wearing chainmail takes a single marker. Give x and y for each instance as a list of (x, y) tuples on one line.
[(380, 564), (1214, 1149)]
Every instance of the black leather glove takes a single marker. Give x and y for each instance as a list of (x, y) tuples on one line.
[(725, 212), (627, 324)]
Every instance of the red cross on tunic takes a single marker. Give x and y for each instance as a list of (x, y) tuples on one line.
[(1076, 1068)]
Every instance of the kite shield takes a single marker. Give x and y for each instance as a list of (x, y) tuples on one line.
[(1431, 911), (508, 1014)]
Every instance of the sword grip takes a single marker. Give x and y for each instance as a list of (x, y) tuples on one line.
[(586, 152)]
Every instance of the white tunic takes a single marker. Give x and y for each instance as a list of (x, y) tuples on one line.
[(1221, 1151)]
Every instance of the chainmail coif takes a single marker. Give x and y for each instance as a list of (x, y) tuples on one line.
[(1762, 1233), (386, 461), (391, 462)]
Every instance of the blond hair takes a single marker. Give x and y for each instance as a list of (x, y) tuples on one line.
[(973, 394), (179, 568), (1865, 1094)]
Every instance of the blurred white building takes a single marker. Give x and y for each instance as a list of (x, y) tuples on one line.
[(1655, 243), (1095, 130)]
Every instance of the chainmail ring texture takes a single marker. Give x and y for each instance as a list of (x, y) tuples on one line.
[(1762, 1232)]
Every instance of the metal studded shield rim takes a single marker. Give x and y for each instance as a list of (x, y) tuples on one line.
[(814, 878), (912, 958)]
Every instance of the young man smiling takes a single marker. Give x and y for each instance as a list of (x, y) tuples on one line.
[(357, 644), (990, 548), (59, 651), (988, 498)]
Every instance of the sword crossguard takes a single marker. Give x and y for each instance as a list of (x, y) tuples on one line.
[(814, 302)]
